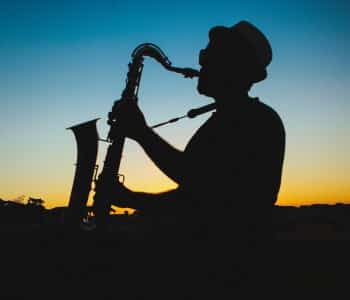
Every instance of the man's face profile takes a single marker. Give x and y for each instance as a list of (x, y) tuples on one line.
[(216, 70)]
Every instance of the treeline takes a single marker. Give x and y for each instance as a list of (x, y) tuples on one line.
[(316, 220)]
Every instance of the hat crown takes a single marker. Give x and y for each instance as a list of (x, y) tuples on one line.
[(256, 39)]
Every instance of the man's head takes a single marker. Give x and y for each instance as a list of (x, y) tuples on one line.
[(234, 59)]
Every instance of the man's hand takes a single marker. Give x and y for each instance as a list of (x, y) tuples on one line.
[(128, 119), (117, 192), (123, 197)]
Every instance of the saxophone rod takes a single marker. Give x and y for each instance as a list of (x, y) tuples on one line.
[(192, 113)]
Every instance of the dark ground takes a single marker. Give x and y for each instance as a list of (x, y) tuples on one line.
[(57, 264)]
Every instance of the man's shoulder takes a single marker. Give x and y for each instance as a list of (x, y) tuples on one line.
[(266, 113)]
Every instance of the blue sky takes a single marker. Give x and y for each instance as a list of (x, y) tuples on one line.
[(65, 62)]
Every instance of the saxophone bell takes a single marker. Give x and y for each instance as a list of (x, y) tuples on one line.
[(87, 138)]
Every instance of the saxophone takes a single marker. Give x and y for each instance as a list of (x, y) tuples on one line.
[(87, 140)]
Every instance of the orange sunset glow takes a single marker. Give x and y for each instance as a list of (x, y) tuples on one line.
[(69, 74)]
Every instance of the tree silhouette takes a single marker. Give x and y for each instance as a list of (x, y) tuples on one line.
[(38, 202), (20, 199)]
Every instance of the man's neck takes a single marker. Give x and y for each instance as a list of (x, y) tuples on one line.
[(232, 101)]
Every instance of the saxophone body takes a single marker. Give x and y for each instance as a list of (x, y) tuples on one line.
[(87, 141)]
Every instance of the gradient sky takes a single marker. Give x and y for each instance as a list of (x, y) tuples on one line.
[(65, 62)]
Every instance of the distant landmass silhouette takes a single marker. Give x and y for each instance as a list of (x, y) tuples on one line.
[(317, 221), (37, 251)]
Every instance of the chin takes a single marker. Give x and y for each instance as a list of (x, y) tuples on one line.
[(204, 91), (200, 90), (203, 88)]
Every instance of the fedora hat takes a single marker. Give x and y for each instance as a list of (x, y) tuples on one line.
[(256, 39), (249, 40)]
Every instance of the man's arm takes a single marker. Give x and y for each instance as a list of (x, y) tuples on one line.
[(132, 122), (149, 201), (167, 158)]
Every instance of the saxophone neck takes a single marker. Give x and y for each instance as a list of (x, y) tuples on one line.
[(151, 50)]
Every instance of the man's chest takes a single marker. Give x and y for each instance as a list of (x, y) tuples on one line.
[(220, 141)]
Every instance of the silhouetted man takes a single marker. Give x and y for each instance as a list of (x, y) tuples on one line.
[(230, 171)]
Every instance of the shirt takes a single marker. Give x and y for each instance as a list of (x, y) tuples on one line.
[(234, 162)]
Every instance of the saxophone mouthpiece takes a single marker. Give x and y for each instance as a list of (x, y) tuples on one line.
[(187, 72)]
